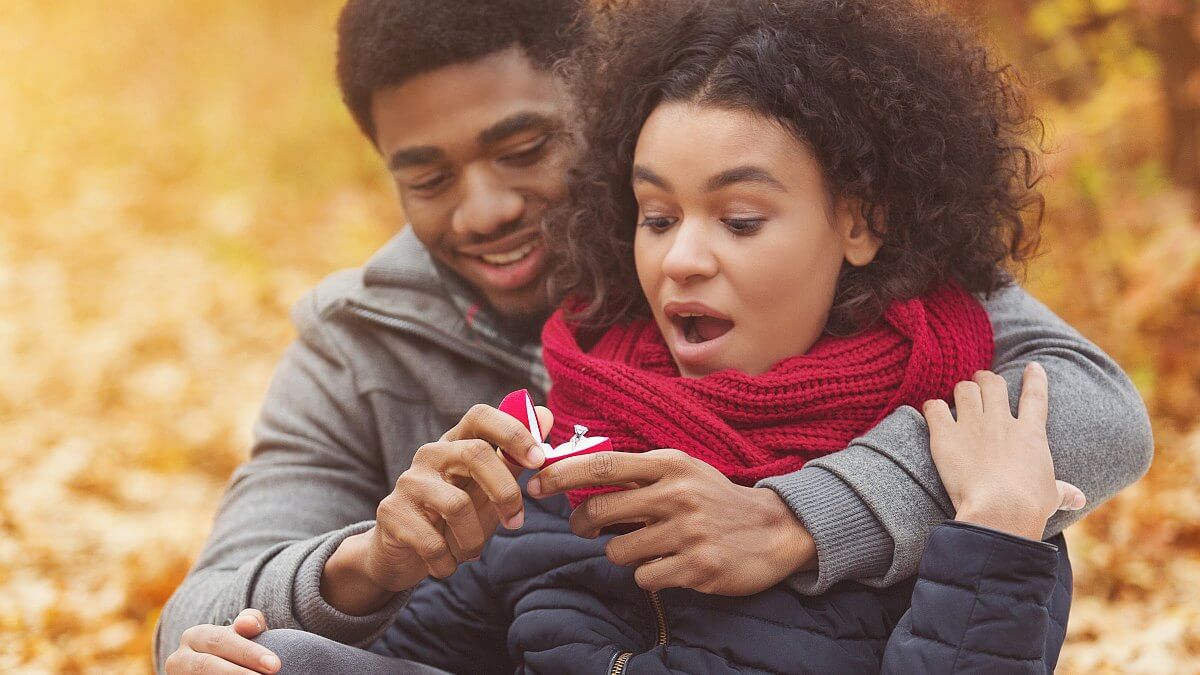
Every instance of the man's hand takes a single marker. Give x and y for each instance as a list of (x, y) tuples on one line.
[(702, 531), (997, 469), (224, 649), (441, 512)]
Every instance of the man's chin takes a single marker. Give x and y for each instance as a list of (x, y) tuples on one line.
[(521, 314)]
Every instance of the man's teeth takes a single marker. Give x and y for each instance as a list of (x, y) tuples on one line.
[(509, 257)]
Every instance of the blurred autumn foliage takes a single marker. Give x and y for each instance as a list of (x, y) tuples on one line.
[(176, 174)]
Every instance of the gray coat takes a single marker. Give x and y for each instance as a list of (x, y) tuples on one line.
[(386, 361)]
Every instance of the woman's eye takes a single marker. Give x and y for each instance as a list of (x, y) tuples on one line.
[(528, 154), (743, 225), (657, 223)]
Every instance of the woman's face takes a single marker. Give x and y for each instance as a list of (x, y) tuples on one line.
[(738, 246)]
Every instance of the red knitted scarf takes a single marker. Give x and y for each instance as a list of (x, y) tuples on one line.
[(628, 388)]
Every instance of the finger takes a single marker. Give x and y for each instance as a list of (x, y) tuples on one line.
[(641, 546), (225, 644), (597, 469), (669, 572), (1070, 498), (250, 623), (189, 661), (476, 458), (937, 416), (545, 420), (455, 507), (968, 400), (993, 389), (404, 527), (501, 430), (641, 505), (1033, 407)]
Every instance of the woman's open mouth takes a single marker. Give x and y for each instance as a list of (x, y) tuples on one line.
[(700, 328), (697, 334)]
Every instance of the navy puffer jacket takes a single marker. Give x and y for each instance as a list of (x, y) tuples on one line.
[(542, 600)]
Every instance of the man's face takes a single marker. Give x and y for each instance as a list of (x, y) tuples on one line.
[(479, 152)]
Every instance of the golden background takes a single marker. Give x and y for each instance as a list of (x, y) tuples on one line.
[(173, 175)]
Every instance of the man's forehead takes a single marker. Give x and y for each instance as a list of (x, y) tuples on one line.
[(467, 104)]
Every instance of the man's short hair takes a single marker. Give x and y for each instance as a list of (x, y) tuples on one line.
[(383, 43)]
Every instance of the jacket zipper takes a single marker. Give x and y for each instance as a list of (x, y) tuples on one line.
[(660, 617), (618, 666), (660, 637)]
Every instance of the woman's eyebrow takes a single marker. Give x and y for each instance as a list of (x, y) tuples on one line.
[(643, 175), (744, 174)]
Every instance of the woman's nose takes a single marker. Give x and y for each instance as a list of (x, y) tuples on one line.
[(487, 204), (689, 256)]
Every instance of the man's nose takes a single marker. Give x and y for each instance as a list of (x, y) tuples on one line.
[(487, 204), (689, 256)]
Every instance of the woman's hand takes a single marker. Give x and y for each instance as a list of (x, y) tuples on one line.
[(701, 531), (997, 469)]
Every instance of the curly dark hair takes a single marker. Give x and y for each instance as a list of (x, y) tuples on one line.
[(903, 108), (382, 43)]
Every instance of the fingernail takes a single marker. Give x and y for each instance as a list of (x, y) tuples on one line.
[(270, 662), (537, 456), (515, 522), (1079, 502), (475, 559), (1034, 365), (535, 487)]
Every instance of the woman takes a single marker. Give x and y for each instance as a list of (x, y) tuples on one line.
[(754, 278)]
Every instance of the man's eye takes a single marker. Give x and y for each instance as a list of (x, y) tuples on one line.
[(528, 154), (429, 184), (657, 223), (743, 225)]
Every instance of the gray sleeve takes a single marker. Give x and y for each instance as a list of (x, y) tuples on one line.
[(871, 507), (315, 477)]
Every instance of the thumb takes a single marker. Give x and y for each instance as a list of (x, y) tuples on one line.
[(545, 420), (1070, 498), (250, 623)]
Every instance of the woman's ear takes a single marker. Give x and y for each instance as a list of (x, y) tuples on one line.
[(859, 243)]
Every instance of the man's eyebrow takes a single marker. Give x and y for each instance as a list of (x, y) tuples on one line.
[(744, 174), (643, 175), (515, 124), (417, 156)]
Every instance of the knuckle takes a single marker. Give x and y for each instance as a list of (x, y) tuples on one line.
[(476, 413), (477, 451), (615, 552), (602, 465), (388, 509), (644, 579), (191, 634), (516, 438), (509, 495), (424, 452), (215, 638), (708, 564), (432, 546), (595, 508), (458, 505), (549, 479), (195, 666)]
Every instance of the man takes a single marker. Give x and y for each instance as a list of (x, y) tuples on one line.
[(356, 492)]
